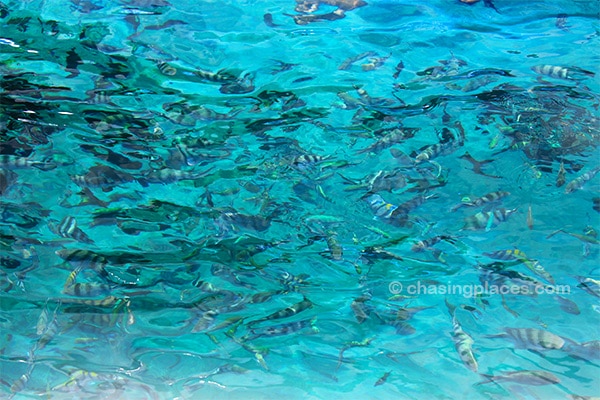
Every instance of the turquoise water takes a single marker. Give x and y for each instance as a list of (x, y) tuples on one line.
[(239, 200)]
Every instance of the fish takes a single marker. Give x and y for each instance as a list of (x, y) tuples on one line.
[(104, 177), (402, 316), (42, 322), (586, 351), (171, 175), (561, 175), (427, 243), (381, 180), (513, 254), (578, 182), (351, 345), (68, 228), (304, 160), (554, 71), (478, 82), (561, 22), (533, 339), (166, 69), (48, 334), (221, 76), (586, 238), (487, 219), (462, 341), (382, 380), (590, 285), (438, 149), (14, 162), (391, 137), (485, 199), (380, 207), (537, 268), (268, 20), (490, 4), (282, 329), (527, 377), (398, 69), (375, 62), (351, 60), (287, 312), (567, 305), (336, 251), (308, 18), (86, 289), (360, 309), (477, 165)]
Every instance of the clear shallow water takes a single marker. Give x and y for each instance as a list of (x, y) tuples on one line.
[(197, 225)]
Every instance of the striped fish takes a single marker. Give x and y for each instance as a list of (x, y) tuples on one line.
[(485, 199), (487, 219), (336, 251), (166, 69), (392, 137), (282, 329), (86, 289), (218, 77), (286, 312), (578, 182), (462, 341), (380, 207), (554, 71), (507, 255), (68, 228), (14, 162), (84, 259), (533, 339), (170, 175)]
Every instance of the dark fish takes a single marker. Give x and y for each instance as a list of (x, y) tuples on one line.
[(561, 175), (308, 18), (561, 22), (382, 380), (534, 378), (360, 309), (268, 20), (399, 67), (490, 4), (477, 165)]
